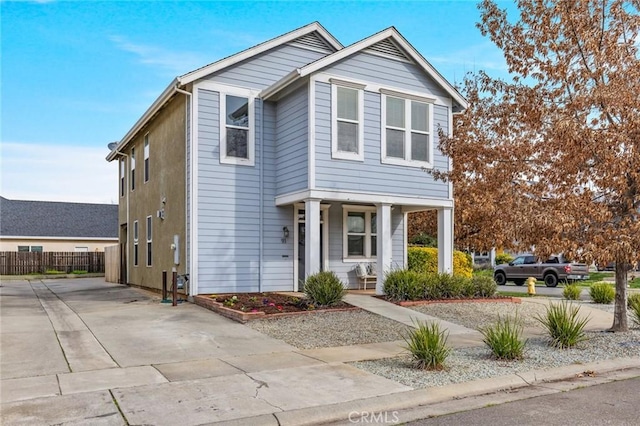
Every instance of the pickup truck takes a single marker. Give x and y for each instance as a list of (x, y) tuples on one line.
[(552, 271)]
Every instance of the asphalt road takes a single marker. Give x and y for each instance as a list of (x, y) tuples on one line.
[(613, 403)]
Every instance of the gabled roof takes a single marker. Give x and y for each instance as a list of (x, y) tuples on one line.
[(57, 219), (300, 36), (388, 42)]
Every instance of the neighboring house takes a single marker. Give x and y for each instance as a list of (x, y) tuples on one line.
[(57, 226), (294, 156)]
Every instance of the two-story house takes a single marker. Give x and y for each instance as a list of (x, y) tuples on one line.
[(293, 156)]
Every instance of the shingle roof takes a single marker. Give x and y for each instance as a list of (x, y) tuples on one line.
[(58, 219)]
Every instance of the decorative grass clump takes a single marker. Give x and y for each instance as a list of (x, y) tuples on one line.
[(428, 345), (324, 288), (602, 293), (633, 302), (572, 292), (403, 284), (563, 325), (504, 338), (485, 286)]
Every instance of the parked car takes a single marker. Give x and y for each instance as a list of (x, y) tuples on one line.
[(551, 271)]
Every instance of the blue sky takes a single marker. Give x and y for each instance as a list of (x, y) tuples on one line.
[(77, 75)]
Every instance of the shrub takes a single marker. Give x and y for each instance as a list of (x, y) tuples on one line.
[(634, 306), (485, 286), (602, 293), (425, 260), (633, 299), (504, 338), (324, 288), (449, 286), (428, 345), (563, 325), (424, 240), (503, 258), (469, 289), (403, 284), (571, 292)]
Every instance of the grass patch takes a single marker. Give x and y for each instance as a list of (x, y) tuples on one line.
[(514, 294)]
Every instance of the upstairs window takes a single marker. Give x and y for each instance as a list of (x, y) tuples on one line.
[(406, 134), (347, 112), (123, 173), (149, 241), (146, 158), (133, 169), (237, 139)]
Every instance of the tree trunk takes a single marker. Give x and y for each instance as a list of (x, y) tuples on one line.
[(620, 312)]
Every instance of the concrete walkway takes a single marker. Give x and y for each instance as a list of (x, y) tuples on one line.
[(83, 351)]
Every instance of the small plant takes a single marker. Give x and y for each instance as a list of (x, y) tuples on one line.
[(602, 293), (428, 345), (230, 301), (571, 292), (79, 272), (633, 299), (633, 302), (563, 325), (504, 338), (324, 288), (502, 258), (403, 284), (485, 285)]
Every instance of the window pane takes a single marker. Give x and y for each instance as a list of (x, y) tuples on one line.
[(374, 246), (36, 249), (347, 137), (419, 116), (356, 245), (395, 112), (395, 143), (237, 111), (237, 143), (135, 254), (374, 223), (23, 248), (419, 145), (148, 254), (347, 103), (355, 222), (148, 229)]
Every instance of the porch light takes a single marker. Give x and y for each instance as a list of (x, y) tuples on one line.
[(285, 234)]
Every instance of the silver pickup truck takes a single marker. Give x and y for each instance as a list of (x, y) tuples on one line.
[(552, 271)]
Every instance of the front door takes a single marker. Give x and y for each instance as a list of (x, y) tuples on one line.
[(300, 272)]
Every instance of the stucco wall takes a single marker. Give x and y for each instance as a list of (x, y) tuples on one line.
[(56, 245)]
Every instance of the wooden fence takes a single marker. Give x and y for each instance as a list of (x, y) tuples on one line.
[(24, 263)]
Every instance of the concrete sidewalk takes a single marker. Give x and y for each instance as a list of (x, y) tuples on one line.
[(83, 351)]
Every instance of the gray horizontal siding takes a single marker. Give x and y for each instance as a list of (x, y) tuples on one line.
[(371, 175), (292, 142), (265, 69), (386, 71), (228, 209)]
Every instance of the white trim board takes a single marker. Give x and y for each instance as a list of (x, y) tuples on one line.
[(362, 198)]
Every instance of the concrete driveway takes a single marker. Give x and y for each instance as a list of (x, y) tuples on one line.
[(82, 351)]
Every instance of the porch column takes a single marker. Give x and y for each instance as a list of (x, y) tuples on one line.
[(312, 236), (445, 240), (383, 247)]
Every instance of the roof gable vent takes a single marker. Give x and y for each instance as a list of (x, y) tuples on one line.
[(314, 42), (388, 48)]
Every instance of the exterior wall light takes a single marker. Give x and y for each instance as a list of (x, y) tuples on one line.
[(285, 234)]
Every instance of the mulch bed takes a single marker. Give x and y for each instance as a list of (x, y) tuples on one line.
[(247, 306)]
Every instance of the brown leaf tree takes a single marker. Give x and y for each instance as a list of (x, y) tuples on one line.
[(550, 157)]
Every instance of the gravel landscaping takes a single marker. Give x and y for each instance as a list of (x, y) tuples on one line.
[(330, 329)]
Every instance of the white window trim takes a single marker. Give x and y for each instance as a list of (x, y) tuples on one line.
[(346, 209), (123, 178), (145, 167), (149, 232), (335, 153), (136, 248), (251, 146), (408, 98)]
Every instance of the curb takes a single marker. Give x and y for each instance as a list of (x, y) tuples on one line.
[(420, 399)]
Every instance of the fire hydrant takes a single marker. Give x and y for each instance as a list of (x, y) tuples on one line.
[(531, 286)]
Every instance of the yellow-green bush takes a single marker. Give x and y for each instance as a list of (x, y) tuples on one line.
[(425, 259)]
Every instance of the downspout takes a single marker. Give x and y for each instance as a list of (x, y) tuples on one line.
[(187, 140), (261, 195)]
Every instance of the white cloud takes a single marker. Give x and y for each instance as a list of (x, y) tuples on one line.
[(58, 173), (175, 62)]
